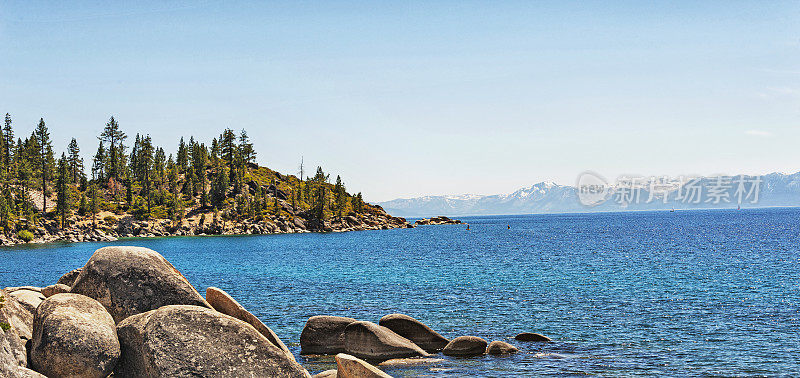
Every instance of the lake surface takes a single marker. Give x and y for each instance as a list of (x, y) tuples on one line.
[(650, 293)]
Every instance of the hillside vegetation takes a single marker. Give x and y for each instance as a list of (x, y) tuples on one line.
[(196, 189)]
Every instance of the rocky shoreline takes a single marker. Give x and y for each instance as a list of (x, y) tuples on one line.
[(128, 227), (130, 313)]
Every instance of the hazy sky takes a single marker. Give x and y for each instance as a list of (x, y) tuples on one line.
[(412, 98)]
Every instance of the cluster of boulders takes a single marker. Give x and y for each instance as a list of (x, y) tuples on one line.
[(396, 336), (436, 220), (130, 313)]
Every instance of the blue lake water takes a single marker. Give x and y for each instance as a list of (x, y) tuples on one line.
[(649, 293)]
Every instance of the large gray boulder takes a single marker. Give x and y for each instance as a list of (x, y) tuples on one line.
[(348, 366), (370, 341), (192, 341), (414, 330), (133, 280), (74, 336), (69, 277), (465, 346), (224, 303), (324, 334)]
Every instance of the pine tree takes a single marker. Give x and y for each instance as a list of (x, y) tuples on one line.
[(62, 190), (45, 158), (115, 139), (340, 196), (246, 147), (94, 204), (183, 156), (319, 205), (219, 186), (358, 203), (5, 213), (159, 167), (75, 161), (83, 207), (8, 136), (229, 152), (145, 165), (98, 164)]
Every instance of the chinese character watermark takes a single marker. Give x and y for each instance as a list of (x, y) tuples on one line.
[(593, 190)]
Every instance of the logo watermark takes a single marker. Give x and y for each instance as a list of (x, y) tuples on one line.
[(594, 190)]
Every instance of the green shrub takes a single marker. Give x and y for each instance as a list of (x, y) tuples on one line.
[(110, 220), (25, 235)]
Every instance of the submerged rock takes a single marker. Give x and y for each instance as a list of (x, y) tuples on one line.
[(324, 334), (192, 341), (49, 291), (414, 330), (224, 303), (373, 342), (133, 280), (465, 346), (501, 347), (352, 367), (74, 336), (528, 336)]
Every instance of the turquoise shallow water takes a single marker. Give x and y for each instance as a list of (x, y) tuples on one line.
[(651, 293)]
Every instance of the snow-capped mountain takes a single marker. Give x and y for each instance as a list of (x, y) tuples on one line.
[(775, 189)]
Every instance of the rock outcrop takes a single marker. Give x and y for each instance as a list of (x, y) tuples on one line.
[(192, 341), (352, 367), (501, 347), (436, 221), (465, 346), (373, 342), (74, 336), (224, 303), (133, 280), (324, 334), (414, 330)]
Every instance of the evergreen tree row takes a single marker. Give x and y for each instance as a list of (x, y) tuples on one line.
[(142, 180)]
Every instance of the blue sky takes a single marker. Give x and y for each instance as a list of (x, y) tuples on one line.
[(412, 98)]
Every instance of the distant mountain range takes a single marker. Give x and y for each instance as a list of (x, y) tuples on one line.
[(774, 189)]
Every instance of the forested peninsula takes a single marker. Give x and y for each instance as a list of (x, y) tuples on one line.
[(137, 189)]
